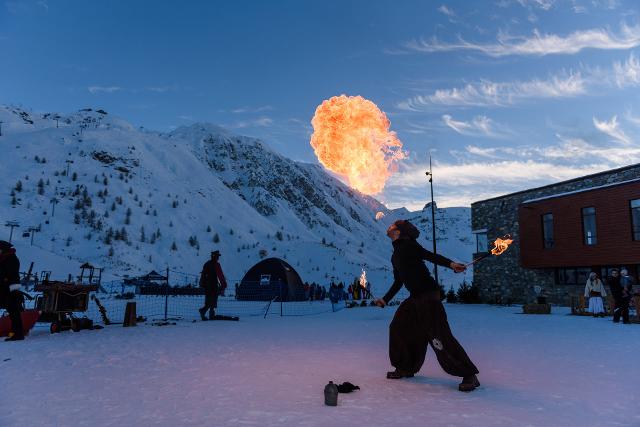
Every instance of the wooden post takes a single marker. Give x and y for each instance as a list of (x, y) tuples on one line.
[(130, 317)]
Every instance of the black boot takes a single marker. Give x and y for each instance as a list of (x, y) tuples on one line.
[(469, 383), (15, 338), (202, 311), (398, 374), (212, 314)]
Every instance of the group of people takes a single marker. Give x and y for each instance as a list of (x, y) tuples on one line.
[(314, 292), (621, 287)]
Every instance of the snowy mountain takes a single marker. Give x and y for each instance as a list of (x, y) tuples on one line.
[(98, 189)]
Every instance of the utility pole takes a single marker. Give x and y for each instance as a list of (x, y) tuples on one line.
[(12, 224), (54, 202), (433, 220)]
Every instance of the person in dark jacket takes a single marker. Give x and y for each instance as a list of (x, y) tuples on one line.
[(10, 295), (421, 320), (620, 308), (626, 293), (213, 282)]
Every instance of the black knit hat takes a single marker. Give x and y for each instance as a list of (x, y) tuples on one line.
[(407, 230), (215, 253), (4, 245)]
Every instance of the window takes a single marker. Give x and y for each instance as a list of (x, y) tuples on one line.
[(547, 230), (572, 276), (481, 242), (635, 218), (589, 225)]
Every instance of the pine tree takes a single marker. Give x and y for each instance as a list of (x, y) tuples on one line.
[(216, 238), (111, 252), (18, 186), (143, 238), (174, 247), (74, 177)]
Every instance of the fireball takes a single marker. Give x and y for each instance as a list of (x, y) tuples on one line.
[(351, 138)]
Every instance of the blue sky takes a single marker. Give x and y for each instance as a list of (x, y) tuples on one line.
[(505, 94)]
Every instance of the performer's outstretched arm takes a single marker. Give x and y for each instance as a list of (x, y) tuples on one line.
[(435, 258), (395, 287)]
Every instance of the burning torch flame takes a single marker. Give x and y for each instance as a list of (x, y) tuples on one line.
[(379, 216), (351, 137), (363, 279), (499, 246)]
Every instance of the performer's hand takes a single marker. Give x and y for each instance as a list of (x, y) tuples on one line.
[(380, 303), (457, 267)]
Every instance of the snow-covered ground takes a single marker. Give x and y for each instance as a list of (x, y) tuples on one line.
[(547, 371)]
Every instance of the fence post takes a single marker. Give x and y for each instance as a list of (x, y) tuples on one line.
[(281, 303), (166, 296)]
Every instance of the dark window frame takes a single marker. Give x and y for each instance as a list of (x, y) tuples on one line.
[(547, 243), (635, 228), (585, 238)]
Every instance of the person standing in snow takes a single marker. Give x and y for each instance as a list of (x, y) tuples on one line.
[(626, 285), (594, 290), (10, 296), (615, 287), (421, 319), (213, 282)]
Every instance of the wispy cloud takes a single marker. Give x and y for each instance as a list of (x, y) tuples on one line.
[(259, 122), (248, 110), (627, 73), (478, 126), (540, 4), (612, 128), (562, 85), (445, 10), (488, 93), (538, 44), (103, 89)]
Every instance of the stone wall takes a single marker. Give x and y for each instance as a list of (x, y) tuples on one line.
[(502, 275)]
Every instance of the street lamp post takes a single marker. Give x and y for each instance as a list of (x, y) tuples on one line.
[(433, 220)]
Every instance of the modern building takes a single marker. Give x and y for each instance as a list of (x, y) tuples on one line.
[(561, 233)]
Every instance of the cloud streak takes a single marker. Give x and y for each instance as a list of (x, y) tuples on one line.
[(538, 44), (478, 126), (612, 128), (488, 93), (104, 89)]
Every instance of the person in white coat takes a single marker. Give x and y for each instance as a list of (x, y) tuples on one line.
[(594, 290)]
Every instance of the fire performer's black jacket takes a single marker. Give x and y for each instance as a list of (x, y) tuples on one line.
[(409, 269)]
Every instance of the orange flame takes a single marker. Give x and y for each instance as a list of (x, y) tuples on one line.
[(379, 216), (501, 245), (351, 137), (363, 279)]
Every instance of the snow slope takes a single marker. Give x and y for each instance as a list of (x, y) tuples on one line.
[(199, 187), (544, 371)]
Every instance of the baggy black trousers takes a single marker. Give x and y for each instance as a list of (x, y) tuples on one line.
[(417, 323)]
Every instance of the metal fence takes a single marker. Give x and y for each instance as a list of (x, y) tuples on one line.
[(159, 301)]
